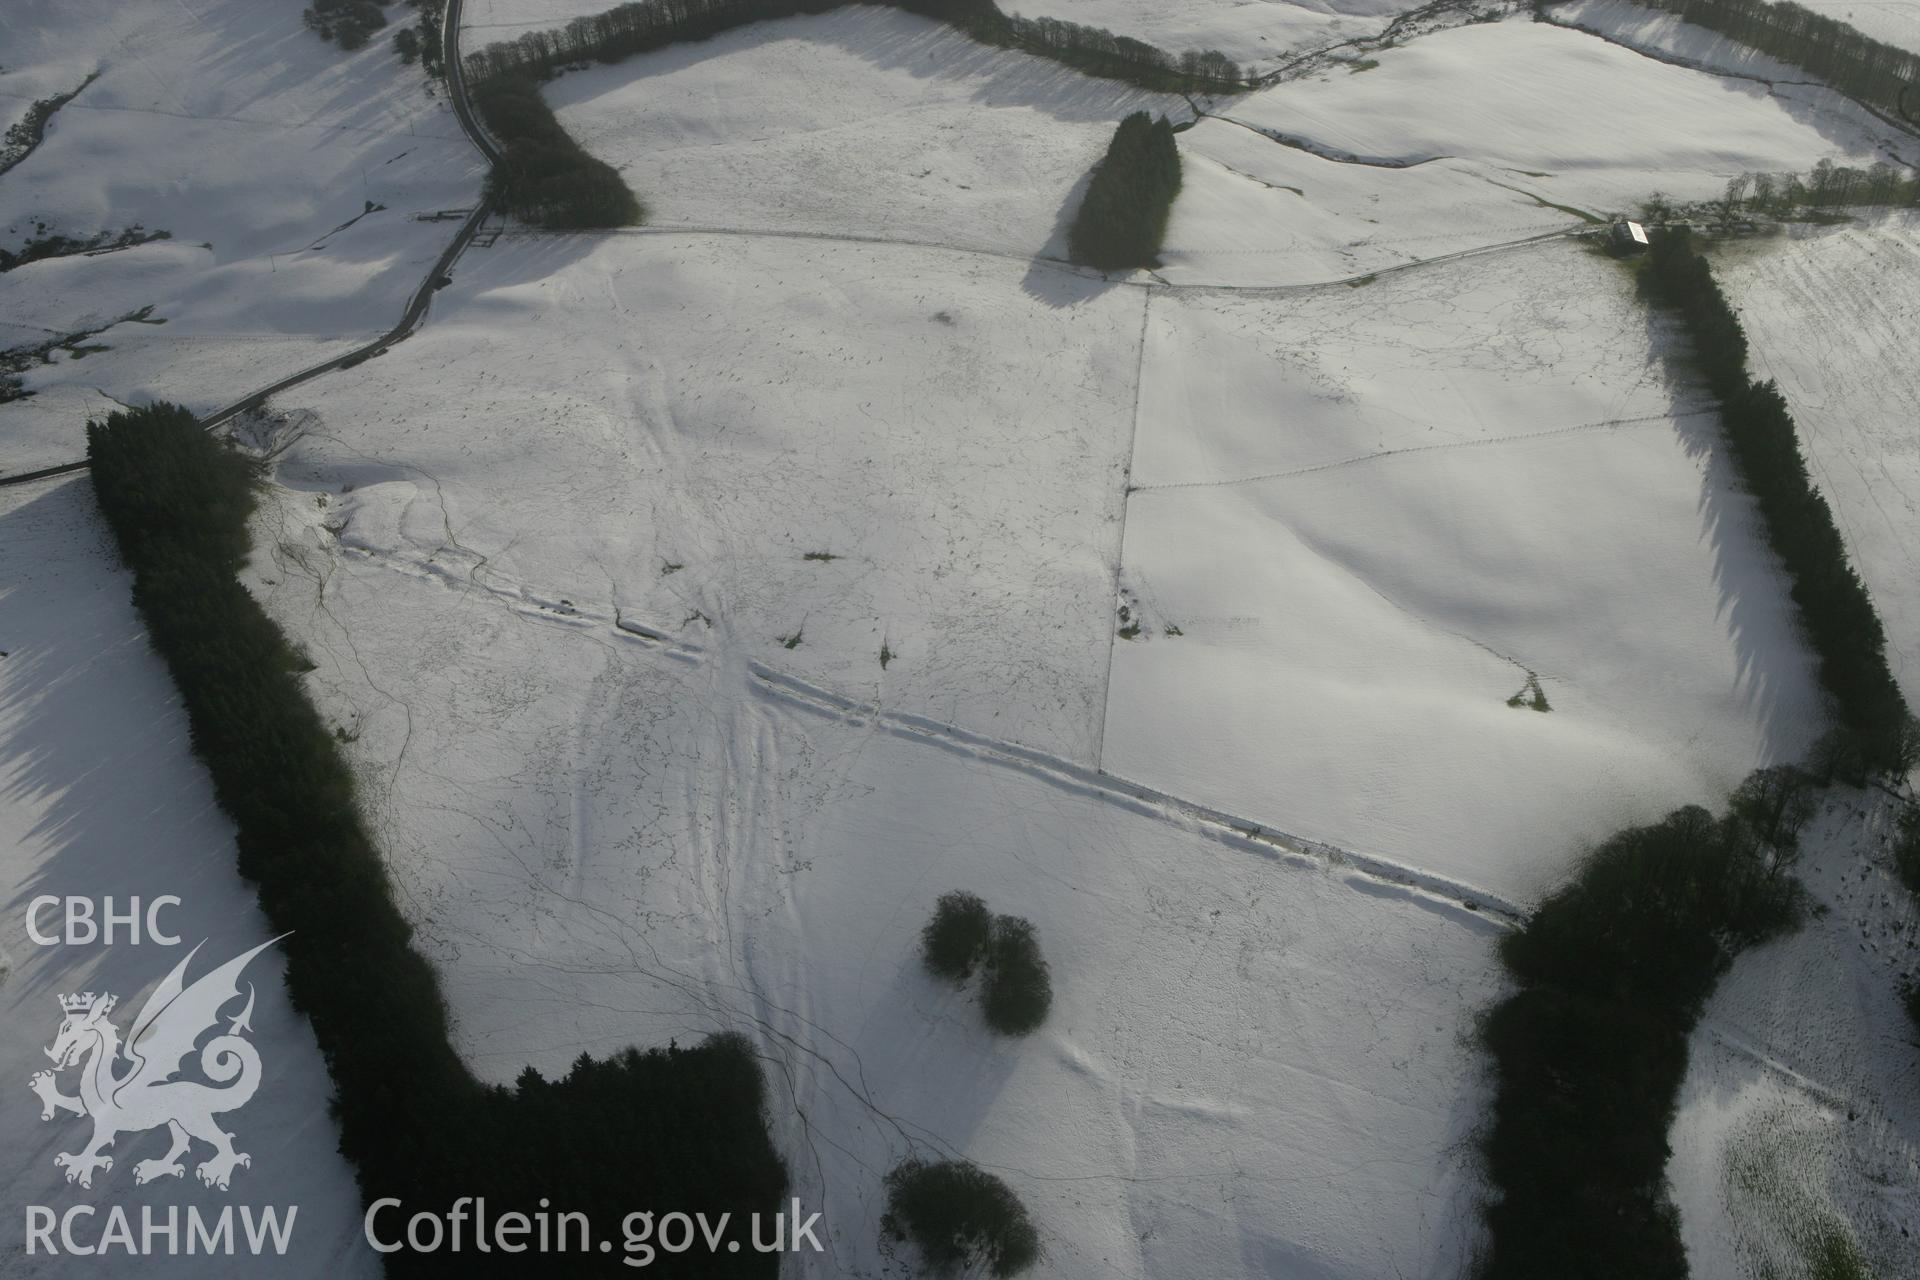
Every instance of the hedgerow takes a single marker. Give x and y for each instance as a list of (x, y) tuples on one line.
[(679, 1127), (653, 24), (1835, 611)]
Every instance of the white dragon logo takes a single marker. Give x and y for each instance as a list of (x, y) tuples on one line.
[(145, 1095)]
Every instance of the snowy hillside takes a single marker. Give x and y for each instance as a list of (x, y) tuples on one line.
[(257, 149), (696, 602)]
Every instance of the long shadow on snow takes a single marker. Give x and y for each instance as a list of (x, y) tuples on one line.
[(94, 732), (1751, 582)]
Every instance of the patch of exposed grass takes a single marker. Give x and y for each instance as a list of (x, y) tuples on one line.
[(1531, 695)]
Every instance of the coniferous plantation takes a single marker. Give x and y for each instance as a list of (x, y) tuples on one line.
[(1835, 611), (543, 176), (1589, 1054), (673, 1126), (653, 24), (1124, 214)]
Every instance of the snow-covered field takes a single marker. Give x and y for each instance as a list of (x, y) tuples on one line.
[(699, 602), (1800, 1117), (808, 451), (258, 147), (869, 122), (99, 796), (1830, 316), (863, 121), (1572, 118), (1370, 513), (1254, 212), (1255, 33), (1254, 1065)]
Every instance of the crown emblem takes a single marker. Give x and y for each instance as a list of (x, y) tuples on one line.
[(84, 1003)]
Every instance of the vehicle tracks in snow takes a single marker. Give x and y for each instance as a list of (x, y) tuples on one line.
[(1471, 903)]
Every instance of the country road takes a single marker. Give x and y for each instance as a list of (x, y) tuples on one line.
[(416, 309)]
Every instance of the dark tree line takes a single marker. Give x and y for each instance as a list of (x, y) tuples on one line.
[(427, 34), (349, 23), (1124, 213), (543, 176), (653, 24), (1835, 611), (684, 1128), (31, 129), (1856, 64), (1590, 1053), (1826, 186)]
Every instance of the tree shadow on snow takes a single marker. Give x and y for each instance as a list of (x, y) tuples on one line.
[(1760, 617), (1053, 281)]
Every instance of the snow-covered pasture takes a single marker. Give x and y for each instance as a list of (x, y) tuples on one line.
[(1254, 212), (811, 452), (1831, 316), (1254, 1064), (258, 147), (873, 123), (99, 796), (862, 121), (1800, 1116), (1566, 116), (1361, 517), (1257, 34)]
